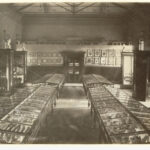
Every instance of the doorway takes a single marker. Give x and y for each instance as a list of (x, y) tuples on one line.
[(73, 66)]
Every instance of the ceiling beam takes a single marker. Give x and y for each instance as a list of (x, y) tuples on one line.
[(121, 6), (69, 4), (74, 8), (85, 7), (24, 7), (79, 4), (64, 8)]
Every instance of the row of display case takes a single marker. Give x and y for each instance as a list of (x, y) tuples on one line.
[(12, 69), (140, 111), (117, 118), (22, 124), (117, 124)]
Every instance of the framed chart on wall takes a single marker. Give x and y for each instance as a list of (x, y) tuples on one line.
[(89, 60), (111, 53), (90, 52), (104, 53), (97, 60), (111, 61), (97, 52), (103, 60)]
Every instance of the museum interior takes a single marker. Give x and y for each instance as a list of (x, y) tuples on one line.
[(64, 68)]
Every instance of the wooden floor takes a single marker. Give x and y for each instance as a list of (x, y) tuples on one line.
[(69, 125), (70, 122)]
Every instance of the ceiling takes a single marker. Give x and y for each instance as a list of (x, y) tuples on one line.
[(82, 8), (68, 8)]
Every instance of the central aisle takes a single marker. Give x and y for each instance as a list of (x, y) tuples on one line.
[(69, 123)]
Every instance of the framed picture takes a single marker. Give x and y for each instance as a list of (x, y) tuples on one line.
[(104, 53), (111, 61), (70, 64), (97, 52), (103, 61), (97, 60), (89, 60), (90, 52), (111, 53), (59, 61)]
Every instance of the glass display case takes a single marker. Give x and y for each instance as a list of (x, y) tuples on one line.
[(6, 70), (118, 125), (141, 88), (21, 124), (127, 69), (20, 67)]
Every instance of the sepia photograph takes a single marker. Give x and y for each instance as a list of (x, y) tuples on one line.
[(74, 73)]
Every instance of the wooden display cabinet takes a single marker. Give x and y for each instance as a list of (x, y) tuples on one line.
[(20, 67), (6, 70), (127, 69), (141, 82), (73, 66)]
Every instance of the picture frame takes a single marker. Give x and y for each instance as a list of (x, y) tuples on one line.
[(89, 60), (104, 53), (111, 61), (96, 60), (90, 52), (111, 52), (97, 52), (103, 61)]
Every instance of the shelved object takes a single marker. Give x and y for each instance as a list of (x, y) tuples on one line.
[(141, 82), (6, 70), (73, 66), (20, 67), (127, 69)]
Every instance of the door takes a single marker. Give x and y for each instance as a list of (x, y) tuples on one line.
[(73, 64)]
